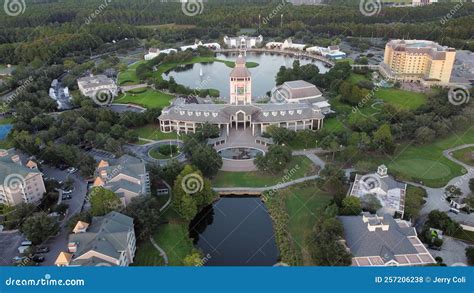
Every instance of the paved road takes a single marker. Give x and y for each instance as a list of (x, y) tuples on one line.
[(141, 151), (9, 243)]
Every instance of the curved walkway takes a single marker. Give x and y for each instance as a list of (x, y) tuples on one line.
[(257, 190), (162, 252), (142, 151)]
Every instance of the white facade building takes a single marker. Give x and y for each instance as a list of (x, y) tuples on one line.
[(243, 42), (90, 86)]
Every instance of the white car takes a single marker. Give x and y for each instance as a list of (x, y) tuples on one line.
[(26, 243), (71, 170)]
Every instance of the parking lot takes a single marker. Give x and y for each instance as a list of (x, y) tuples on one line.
[(9, 242)]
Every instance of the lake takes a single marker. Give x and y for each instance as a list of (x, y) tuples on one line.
[(216, 75), (235, 231)]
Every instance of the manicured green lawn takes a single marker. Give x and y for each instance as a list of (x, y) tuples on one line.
[(301, 165), (147, 255), (465, 155), (465, 235), (401, 99), (333, 124), (152, 131), (303, 203), (129, 76), (427, 163), (174, 239), (149, 99)]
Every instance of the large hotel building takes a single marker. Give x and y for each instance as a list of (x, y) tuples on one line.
[(418, 61)]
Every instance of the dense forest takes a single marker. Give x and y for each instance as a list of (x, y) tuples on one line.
[(50, 30)]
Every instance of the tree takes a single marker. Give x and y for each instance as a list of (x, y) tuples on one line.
[(440, 220), (103, 201), (351, 206), (324, 245), (276, 159), (471, 184), (145, 210), (39, 227), (371, 203), (191, 192), (194, 259), (206, 159), (452, 191), (414, 201), (383, 138), (281, 135), (16, 216)]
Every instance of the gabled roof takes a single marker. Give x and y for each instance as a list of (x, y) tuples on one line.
[(107, 235), (80, 225)]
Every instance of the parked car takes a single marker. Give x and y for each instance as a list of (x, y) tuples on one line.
[(453, 210), (22, 249), (18, 258), (66, 192), (26, 243), (66, 197), (71, 170), (42, 249), (38, 258)]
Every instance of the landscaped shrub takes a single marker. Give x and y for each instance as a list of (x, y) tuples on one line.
[(167, 150)]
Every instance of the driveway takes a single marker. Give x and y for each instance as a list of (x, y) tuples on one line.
[(452, 252)]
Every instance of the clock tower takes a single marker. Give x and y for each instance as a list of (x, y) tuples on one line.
[(240, 83)]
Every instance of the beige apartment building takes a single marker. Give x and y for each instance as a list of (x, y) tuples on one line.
[(18, 183), (421, 61)]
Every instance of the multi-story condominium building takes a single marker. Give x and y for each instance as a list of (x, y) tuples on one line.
[(286, 45), (18, 183), (418, 61), (126, 177), (107, 241), (383, 241), (243, 42), (90, 86), (423, 2), (241, 112)]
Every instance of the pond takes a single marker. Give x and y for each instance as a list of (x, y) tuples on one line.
[(216, 75), (235, 231), (239, 153)]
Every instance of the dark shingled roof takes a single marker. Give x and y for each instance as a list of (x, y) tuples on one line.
[(385, 244)]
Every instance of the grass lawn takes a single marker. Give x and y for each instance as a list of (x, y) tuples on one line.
[(156, 154), (465, 235), (465, 155), (333, 124), (399, 98), (174, 239), (302, 165), (147, 255), (6, 144), (303, 203), (152, 131), (129, 76), (149, 99), (231, 64), (427, 163)]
